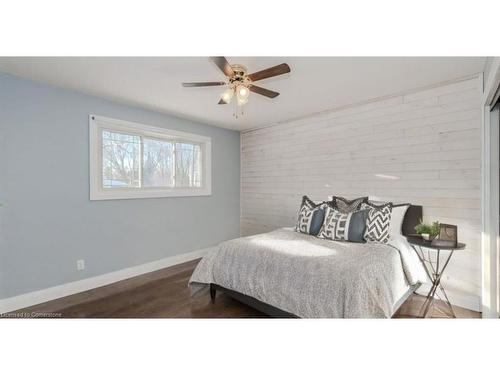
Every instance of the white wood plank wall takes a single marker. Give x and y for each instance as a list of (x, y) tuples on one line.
[(422, 147)]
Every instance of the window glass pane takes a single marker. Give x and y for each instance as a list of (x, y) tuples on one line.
[(187, 165), (158, 163), (120, 160)]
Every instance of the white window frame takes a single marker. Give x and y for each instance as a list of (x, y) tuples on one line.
[(98, 123)]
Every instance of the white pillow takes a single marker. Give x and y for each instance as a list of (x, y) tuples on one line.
[(397, 217)]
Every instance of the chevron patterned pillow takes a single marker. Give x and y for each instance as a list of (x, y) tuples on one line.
[(378, 222)]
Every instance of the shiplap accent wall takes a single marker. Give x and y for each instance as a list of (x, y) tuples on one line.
[(421, 147)]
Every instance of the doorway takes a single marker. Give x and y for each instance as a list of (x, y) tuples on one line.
[(495, 123), (490, 195)]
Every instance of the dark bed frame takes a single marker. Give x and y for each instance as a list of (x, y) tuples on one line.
[(412, 217)]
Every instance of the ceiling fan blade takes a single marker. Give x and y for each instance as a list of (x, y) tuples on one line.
[(202, 84), (222, 102), (223, 65), (270, 72), (263, 91)]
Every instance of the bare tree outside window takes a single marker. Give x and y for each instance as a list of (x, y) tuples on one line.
[(164, 163), (187, 165), (120, 160), (157, 163)]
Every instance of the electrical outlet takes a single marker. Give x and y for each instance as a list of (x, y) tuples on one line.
[(80, 264)]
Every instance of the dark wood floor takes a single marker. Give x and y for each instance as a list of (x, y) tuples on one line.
[(164, 294)]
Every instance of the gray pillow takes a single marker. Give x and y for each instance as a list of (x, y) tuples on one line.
[(311, 216), (346, 206)]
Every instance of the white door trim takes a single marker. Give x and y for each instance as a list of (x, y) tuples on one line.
[(489, 201)]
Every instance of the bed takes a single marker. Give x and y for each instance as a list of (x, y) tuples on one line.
[(285, 273)]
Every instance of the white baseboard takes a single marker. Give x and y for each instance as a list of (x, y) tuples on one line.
[(467, 301), (59, 291)]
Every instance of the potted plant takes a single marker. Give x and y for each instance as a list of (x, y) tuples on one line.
[(428, 231)]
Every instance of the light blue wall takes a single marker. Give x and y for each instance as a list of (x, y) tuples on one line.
[(47, 221)]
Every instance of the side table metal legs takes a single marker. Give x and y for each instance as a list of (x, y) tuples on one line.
[(434, 272)]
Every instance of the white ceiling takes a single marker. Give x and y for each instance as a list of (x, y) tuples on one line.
[(315, 83)]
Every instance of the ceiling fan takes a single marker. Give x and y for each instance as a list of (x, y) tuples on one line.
[(239, 82)]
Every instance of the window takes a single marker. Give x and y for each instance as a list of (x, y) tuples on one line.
[(129, 160)]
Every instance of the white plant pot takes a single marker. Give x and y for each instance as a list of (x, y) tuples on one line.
[(426, 236)]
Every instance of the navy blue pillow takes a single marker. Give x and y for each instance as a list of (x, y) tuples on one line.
[(317, 221), (357, 226)]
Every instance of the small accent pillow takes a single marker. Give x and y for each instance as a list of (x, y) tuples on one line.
[(378, 222), (346, 206), (311, 216), (357, 226), (344, 227)]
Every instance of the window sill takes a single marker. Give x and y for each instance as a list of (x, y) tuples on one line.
[(140, 194)]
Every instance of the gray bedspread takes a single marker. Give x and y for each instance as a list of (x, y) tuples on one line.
[(312, 277)]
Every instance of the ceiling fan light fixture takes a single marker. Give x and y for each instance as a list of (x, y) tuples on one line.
[(227, 95), (242, 92), (242, 102)]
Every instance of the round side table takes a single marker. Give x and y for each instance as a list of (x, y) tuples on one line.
[(434, 269)]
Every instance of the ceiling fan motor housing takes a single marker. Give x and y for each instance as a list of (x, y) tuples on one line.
[(240, 75)]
